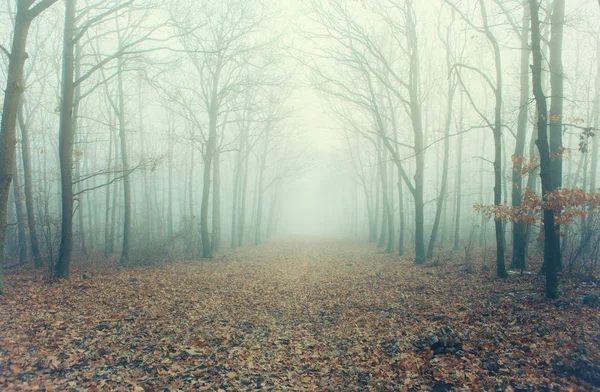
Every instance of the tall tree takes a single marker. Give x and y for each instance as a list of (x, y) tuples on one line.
[(519, 229), (26, 12), (28, 185), (495, 125), (66, 139), (555, 114), (451, 89), (542, 142)]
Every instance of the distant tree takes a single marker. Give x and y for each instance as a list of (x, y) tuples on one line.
[(495, 125), (451, 89), (218, 39)]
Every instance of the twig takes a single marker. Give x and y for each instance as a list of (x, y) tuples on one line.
[(5, 51)]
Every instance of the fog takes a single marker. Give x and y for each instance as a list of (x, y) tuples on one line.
[(184, 128)]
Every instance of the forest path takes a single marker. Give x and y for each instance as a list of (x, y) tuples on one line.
[(301, 314)]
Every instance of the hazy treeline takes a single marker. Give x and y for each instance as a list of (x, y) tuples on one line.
[(149, 130), (438, 106)]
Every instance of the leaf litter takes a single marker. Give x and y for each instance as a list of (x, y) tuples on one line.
[(301, 315)]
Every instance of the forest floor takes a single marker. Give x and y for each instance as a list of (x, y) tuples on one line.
[(302, 315)]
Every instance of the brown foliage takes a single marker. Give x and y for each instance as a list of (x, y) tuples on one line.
[(311, 316)]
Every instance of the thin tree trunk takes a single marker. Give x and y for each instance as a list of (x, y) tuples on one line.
[(170, 231), (519, 229), (28, 182), (556, 106), (497, 131), (216, 216), (235, 198), (125, 163), (147, 206), (384, 193), (444, 180), (108, 247), (208, 160), (242, 210), (260, 187), (77, 137), (375, 181), (458, 201), (401, 214), (20, 215)]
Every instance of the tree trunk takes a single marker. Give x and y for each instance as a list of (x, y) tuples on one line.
[(261, 186), (108, 246), (444, 180), (170, 231), (20, 215), (125, 163), (208, 159), (216, 217), (66, 138), (192, 226), (28, 182), (497, 131), (235, 198), (272, 212), (376, 183), (458, 201), (483, 228), (384, 193), (519, 229), (401, 214), (417, 125), (550, 255), (242, 203), (12, 96), (595, 144), (556, 106), (147, 206), (77, 137)]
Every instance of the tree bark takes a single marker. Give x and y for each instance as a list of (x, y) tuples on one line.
[(595, 144), (125, 163), (519, 229), (170, 231), (242, 203), (216, 216), (208, 159), (556, 106), (402, 228), (444, 180), (458, 193), (66, 139), (28, 182), (417, 125), (497, 131), (22, 240), (550, 255), (10, 107)]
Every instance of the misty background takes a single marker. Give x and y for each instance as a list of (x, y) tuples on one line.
[(280, 89)]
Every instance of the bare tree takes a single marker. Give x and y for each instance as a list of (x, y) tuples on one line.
[(218, 41), (27, 11), (495, 125), (550, 255)]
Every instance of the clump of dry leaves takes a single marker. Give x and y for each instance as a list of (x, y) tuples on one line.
[(299, 316)]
